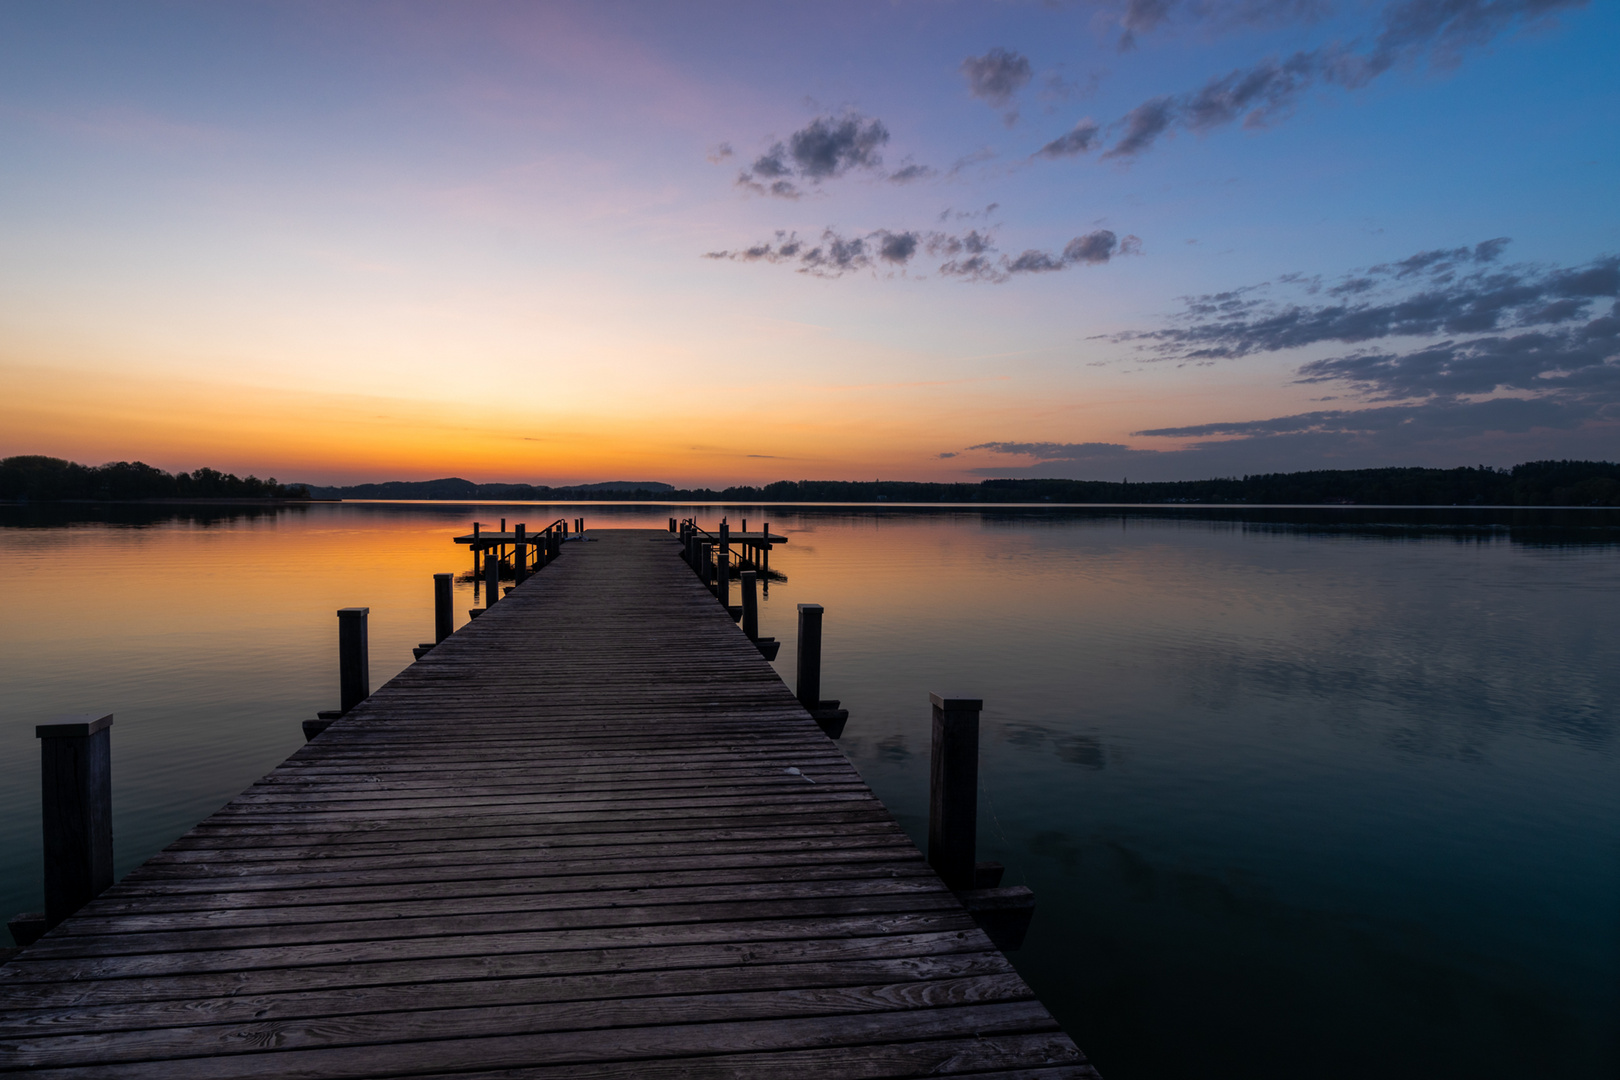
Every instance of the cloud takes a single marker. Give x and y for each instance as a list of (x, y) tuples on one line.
[(833, 256), (897, 248), (970, 256), (1077, 140), (1442, 433), (996, 77), (1143, 125), (1091, 249), (1141, 17), (967, 161), (947, 454), (827, 147), (1576, 361), (911, 173), (1090, 452), (1411, 33), (719, 152), (1530, 364), (1457, 291), (1448, 418)]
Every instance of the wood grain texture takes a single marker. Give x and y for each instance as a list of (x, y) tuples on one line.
[(565, 843)]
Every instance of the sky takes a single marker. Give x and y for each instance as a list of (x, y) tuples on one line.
[(721, 243)]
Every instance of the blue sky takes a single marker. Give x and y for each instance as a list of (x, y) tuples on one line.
[(540, 241)]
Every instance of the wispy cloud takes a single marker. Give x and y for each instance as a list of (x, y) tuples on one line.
[(1447, 291), (970, 256), (1436, 33)]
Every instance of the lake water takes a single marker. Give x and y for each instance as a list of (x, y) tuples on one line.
[(1300, 793)]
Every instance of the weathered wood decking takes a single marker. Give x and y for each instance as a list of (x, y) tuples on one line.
[(565, 843)]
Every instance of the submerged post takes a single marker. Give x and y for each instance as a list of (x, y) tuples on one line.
[(953, 789), (76, 787), (354, 660), (808, 690), (750, 605), (443, 595), (520, 554)]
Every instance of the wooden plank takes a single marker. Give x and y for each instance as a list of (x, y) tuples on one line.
[(542, 854)]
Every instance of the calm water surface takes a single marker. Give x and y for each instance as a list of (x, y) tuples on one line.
[(1300, 794)]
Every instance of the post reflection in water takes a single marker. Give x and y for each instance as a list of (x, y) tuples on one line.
[(1302, 793)]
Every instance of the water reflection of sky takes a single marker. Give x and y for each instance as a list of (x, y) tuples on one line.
[(1295, 799)]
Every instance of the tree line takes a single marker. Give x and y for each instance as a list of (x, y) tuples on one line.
[(35, 478), (1535, 483)]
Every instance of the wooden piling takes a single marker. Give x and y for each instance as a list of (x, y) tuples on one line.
[(808, 684), (354, 659), (953, 789), (443, 596), (722, 566), (520, 554), (492, 581), (750, 605), (76, 788)]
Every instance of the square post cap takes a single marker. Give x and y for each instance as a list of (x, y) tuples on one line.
[(73, 725), (351, 612), (817, 608), (955, 704)]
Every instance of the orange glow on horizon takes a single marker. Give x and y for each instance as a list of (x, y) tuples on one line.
[(894, 431)]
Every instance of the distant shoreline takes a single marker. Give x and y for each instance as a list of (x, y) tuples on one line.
[(1571, 484), (867, 504)]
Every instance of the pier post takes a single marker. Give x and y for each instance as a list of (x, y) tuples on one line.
[(492, 582), (443, 596), (808, 688), (520, 554), (722, 567), (76, 787), (476, 548), (354, 659), (765, 548), (750, 605), (705, 562), (953, 789)]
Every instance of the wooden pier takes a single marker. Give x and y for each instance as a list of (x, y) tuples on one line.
[(590, 834)]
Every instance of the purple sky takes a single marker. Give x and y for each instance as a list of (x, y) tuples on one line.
[(713, 243)]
